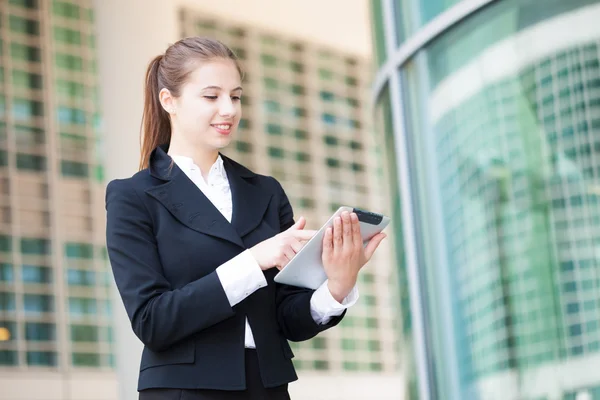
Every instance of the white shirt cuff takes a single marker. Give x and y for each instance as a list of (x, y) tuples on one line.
[(323, 306), (241, 276)]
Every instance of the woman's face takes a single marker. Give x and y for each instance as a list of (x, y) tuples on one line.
[(208, 111)]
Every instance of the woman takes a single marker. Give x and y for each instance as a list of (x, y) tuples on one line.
[(195, 240)]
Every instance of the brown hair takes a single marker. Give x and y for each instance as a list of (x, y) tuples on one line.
[(171, 70)]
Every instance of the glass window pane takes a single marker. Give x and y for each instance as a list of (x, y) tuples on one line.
[(31, 4), (81, 277), (86, 359), (35, 246), (84, 333), (68, 62), (41, 358), (40, 332), (26, 80), (8, 357), (6, 272), (67, 10), (74, 169), (31, 162), (7, 301), (25, 53), (24, 26), (38, 303), (36, 274), (25, 110), (79, 250), (68, 36)]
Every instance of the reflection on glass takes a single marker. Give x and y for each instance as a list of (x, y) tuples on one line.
[(503, 127)]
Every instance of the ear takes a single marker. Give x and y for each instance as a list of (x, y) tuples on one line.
[(167, 100)]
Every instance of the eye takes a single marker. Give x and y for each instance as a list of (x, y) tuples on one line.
[(236, 98), (211, 97)]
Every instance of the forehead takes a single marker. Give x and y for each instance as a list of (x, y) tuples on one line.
[(221, 73)]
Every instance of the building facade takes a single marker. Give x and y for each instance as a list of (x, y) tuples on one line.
[(55, 309), (491, 113)]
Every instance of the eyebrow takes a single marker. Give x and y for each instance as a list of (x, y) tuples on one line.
[(218, 87)]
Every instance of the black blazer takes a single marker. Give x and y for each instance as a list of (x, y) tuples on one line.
[(165, 239)]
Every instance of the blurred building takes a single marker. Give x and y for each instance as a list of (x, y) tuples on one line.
[(71, 76), (55, 312), (491, 115)]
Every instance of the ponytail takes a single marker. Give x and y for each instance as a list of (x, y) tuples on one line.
[(156, 126)]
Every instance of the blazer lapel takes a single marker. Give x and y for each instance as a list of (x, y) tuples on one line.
[(186, 202), (250, 200)]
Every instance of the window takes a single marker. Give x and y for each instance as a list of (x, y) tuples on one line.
[(271, 83), (74, 169), (297, 67), (35, 246), (26, 80), (84, 333), (301, 134), (354, 145), (7, 301), (297, 89), (268, 60), (328, 119), (38, 303), (31, 4), (24, 26), (86, 359), (82, 305), (30, 162), (25, 53), (332, 162), (8, 357), (325, 74), (357, 167), (5, 243), (42, 358), (67, 10), (351, 81), (271, 106), (243, 147), (327, 96), (302, 157), (25, 110), (36, 274), (276, 152), (69, 62), (6, 272), (330, 140), (81, 277), (40, 332), (67, 36), (68, 115), (274, 129)]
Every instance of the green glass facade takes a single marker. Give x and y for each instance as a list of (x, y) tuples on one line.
[(501, 121)]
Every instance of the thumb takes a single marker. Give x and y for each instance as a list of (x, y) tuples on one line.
[(300, 224), (373, 244)]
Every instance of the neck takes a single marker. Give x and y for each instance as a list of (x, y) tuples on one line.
[(203, 158)]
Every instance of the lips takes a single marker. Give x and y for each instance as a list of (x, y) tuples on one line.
[(223, 129)]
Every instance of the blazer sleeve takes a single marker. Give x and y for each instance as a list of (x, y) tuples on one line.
[(293, 303), (160, 315)]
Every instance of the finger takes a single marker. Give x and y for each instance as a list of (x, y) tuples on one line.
[(289, 253), (303, 234), (356, 238), (328, 243), (373, 243), (337, 234), (347, 230), (300, 224), (296, 245)]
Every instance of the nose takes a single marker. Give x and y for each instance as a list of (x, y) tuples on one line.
[(226, 107)]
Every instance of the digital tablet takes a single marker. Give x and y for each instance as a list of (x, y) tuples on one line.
[(305, 269)]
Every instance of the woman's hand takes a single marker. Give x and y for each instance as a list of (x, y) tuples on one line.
[(279, 250), (344, 254)]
